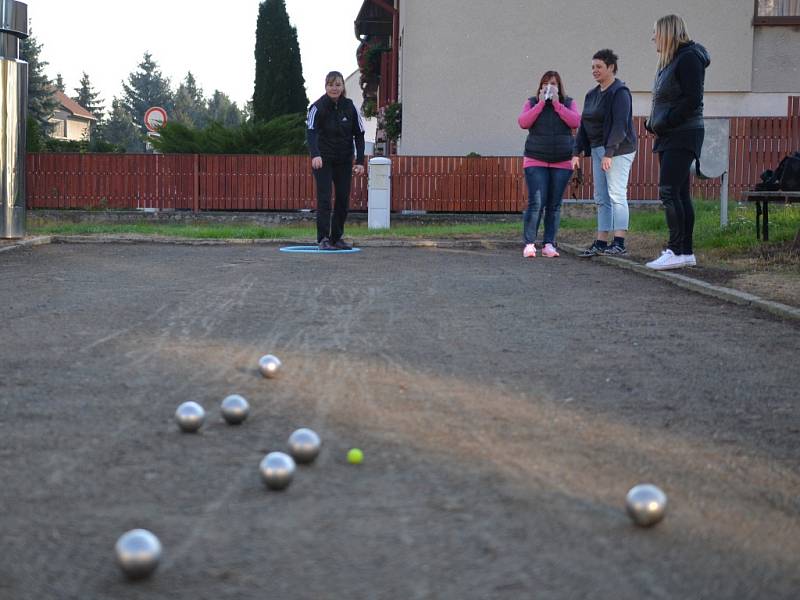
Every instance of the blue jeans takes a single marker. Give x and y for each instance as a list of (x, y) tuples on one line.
[(611, 190), (545, 190)]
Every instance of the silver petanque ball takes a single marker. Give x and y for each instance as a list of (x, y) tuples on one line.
[(234, 409), (646, 504), (190, 416), (269, 365), (304, 445), (277, 470), (138, 553)]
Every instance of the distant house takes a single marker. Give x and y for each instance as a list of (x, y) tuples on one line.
[(354, 92), (70, 120), (462, 70)]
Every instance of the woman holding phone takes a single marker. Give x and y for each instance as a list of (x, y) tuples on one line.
[(550, 116)]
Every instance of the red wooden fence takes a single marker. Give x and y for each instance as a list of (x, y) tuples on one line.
[(429, 183)]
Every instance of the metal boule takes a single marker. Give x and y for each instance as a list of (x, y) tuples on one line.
[(190, 416), (304, 445), (138, 553), (235, 409), (277, 470), (646, 504), (269, 365)]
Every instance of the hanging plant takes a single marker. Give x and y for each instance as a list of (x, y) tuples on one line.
[(369, 108), (391, 119)]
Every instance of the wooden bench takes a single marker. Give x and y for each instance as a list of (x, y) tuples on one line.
[(762, 200)]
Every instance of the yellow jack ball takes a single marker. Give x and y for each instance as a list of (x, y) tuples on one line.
[(355, 456)]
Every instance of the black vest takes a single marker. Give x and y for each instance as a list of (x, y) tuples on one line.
[(549, 139), (666, 92)]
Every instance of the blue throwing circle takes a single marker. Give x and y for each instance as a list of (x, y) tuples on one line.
[(316, 250)]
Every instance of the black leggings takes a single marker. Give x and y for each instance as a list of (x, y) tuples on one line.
[(338, 176), (675, 195)]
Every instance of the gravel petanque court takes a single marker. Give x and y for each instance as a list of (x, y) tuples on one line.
[(504, 407)]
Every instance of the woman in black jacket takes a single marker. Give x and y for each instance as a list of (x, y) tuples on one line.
[(676, 118), (334, 124), (607, 135)]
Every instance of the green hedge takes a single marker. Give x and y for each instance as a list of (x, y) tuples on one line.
[(282, 135)]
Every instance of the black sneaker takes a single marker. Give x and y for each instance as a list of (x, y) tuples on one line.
[(325, 244), (615, 250), (340, 244), (593, 250)]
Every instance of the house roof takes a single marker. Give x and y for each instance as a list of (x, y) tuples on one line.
[(70, 105)]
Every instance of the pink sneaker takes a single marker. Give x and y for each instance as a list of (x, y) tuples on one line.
[(549, 251), (529, 252)]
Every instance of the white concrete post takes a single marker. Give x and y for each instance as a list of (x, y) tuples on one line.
[(379, 198)]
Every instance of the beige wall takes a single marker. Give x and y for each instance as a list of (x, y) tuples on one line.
[(68, 127), (467, 67), (776, 66)]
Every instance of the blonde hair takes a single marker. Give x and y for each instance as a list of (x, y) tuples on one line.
[(670, 32)]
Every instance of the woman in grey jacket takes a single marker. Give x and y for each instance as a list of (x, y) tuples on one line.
[(607, 135)]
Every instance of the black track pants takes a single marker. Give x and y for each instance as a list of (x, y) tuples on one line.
[(339, 175), (675, 195)]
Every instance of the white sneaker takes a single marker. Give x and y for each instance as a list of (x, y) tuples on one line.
[(689, 260), (550, 251), (667, 260), (529, 252)]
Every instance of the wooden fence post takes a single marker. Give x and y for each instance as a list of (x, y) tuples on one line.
[(196, 184)]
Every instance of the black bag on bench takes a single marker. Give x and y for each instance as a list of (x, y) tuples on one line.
[(785, 178)]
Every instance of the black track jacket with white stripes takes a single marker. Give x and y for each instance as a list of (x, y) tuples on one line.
[(332, 129)]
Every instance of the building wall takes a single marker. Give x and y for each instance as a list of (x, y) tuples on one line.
[(77, 130), (776, 59), (467, 68), (353, 88), (68, 127)]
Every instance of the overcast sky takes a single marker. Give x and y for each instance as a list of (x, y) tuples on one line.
[(213, 40)]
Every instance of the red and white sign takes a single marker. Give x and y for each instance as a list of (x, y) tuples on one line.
[(154, 118)]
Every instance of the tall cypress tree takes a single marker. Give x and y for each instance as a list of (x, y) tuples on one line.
[(279, 84), (41, 103)]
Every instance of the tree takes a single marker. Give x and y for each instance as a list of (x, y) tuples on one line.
[(146, 88), (41, 103), (120, 130), (279, 84), (60, 83), (190, 105), (88, 98), (223, 111), (283, 135)]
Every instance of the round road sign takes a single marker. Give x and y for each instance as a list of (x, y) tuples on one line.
[(154, 118)]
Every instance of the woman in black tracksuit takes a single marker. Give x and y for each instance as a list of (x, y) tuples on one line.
[(333, 126), (676, 118)]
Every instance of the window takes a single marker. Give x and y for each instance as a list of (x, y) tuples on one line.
[(777, 12)]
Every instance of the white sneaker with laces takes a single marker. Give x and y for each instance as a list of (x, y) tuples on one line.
[(689, 260), (529, 252), (667, 260)]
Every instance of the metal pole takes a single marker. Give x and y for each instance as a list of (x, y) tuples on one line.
[(13, 114), (723, 200)]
